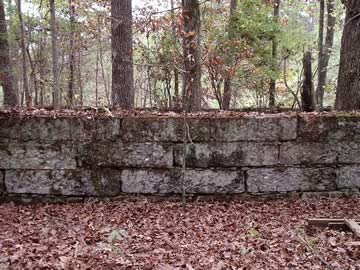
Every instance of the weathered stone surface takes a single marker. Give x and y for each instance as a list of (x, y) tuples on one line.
[(2, 183), (163, 129), (34, 129), (349, 177), (333, 127), (291, 179), (47, 129), (228, 155), (141, 155), (170, 182), (151, 181), (348, 153), (37, 156), (265, 128), (97, 129), (214, 182), (317, 153), (64, 182), (294, 153)]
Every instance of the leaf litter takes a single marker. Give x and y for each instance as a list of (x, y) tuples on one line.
[(140, 234)]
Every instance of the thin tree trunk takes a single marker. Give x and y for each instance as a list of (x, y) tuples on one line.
[(275, 45), (42, 64), (122, 54), (72, 54), (176, 72), (321, 85), (27, 93), (192, 55), (55, 67), (101, 59), (80, 83), (33, 76), (7, 79), (97, 79), (307, 95), (227, 82), (326, 52)]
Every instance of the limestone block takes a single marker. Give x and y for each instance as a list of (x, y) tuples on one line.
[(349, 177), (333, 127), (43, 129), (152, 129), (2, 183), (170, 182), (37, 156), (142, 155), (296, 153), (261, 128), (228, 155), (348, 152), (64, 182), (95, 129), (291, 179)]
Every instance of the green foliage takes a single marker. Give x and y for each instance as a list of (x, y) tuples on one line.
[(235, 47), (117, 235)]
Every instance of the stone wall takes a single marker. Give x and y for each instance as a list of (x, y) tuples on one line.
[(105, 156)]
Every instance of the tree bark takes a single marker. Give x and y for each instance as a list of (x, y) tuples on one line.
[(71, 82), (27, 93), (176, 72), (321, 56), (329, 41), (307, 95), (275, 45), (42, 67), (122, 54), (192, 55), (55, 67), (7, 79), (348, 90), (227, 82)]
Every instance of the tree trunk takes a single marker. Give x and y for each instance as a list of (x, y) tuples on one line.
[(72, 55), (122, 54), (192, 56), (42, 66), (27, 93), (55, 67), (101, 61), (33, 75), (326, 53), (7, 79), (176, 72), (227, 82), (275, 45), (307, 95), (348, 90), (321, 56), (79, 78)]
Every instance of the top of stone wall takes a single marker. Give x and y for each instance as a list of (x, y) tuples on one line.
[(147, 126), (145, 113)]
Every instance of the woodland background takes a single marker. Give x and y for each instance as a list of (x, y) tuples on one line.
[(255, 48)]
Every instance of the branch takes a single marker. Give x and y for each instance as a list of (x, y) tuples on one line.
[(314, 251)]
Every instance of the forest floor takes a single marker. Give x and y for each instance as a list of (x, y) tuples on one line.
[(161, 235)]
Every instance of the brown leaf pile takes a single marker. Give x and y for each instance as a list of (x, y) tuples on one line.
[(161, 235)]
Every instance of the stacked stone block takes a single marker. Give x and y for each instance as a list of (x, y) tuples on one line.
[(105, 156)]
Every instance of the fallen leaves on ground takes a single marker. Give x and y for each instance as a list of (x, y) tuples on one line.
[(161, 235)]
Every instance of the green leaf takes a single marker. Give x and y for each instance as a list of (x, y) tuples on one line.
[(117, 235)]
